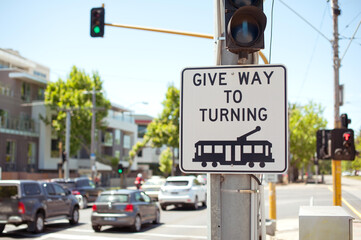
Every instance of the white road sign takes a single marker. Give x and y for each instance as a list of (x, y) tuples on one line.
[(234, 119)]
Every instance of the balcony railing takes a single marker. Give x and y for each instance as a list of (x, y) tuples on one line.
[(19, 124)]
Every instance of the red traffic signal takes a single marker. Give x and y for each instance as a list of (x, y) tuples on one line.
[(97, 22)]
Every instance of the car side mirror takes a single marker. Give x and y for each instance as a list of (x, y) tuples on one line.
[(67, 191)]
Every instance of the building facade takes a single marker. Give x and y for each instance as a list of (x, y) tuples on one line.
[(22, 81), (28, 148)]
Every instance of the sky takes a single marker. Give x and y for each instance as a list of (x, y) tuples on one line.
[(138, 66)]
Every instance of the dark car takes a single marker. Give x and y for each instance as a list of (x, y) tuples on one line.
[(34, 203), (81, 186), (122, 208)]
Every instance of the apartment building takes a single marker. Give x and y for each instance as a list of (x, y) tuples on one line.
[(28, 147), (22, 81)]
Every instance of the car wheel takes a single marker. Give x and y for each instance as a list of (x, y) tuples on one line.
[(74, 216), (137, 225), (163, 207), (195, 205), (85, 202), (204, 204), (157, 217), (2, 227), (37, 226), (96, 228)]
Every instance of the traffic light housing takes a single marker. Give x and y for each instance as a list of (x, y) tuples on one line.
[(345, 120), (323, 138), (97, 22), (245, 23), (120, 168), (343, 145)]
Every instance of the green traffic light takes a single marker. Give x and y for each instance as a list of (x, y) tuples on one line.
[(120, 170), (96, 29)]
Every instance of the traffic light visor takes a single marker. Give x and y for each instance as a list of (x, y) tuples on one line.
[(246, 26), (242, 3)]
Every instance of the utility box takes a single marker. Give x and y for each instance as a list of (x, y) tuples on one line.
[(324, 222)]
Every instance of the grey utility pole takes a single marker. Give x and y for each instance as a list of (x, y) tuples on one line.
[(67, 144), (92, 143), (233, 199)]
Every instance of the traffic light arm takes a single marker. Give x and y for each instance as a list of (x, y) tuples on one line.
[(199, 35), (161, 30)]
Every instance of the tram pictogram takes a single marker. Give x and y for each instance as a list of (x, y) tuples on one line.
[(238, 152)]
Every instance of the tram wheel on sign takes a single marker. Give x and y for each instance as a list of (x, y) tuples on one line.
[(251, 164), (262, 164), (204, 164), (214, 164)]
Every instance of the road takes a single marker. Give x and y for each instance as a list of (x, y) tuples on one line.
[(290, 197), (179, 223), (176, 223)]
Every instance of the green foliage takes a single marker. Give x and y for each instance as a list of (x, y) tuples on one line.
[(165, 161), (163, 130), (69, 95), (303, 124)]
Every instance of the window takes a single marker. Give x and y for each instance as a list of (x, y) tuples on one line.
[(49, 189), (31, 189), (218, 149), (3, 118), (126, 143), (10, 151), (25, 92), (247, 149), (31, 152), (139, 197), (54, 148), (117, 137), (120, 198), (141, 130), (146, 198), (140, 153), (258, 149), (59, 190), (176, 183), (8, 191), (40, 93)]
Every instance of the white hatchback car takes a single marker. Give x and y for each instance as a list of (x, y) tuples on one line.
[(182, 190)]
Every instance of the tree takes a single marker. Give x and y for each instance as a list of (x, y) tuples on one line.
[(163, 130), (69, 95), (303, 124), (165, 161)]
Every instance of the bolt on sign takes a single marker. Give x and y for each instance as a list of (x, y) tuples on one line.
[(234, 119)]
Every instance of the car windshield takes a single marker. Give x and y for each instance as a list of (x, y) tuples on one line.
[(176, 183), (120, 198), (69, 185), (153, 182)]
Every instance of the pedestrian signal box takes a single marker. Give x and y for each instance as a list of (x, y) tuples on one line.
[(343, 145)]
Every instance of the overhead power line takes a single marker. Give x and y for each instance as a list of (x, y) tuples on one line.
[(299, 15), (352, 38)]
